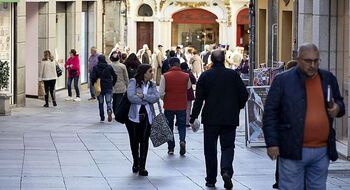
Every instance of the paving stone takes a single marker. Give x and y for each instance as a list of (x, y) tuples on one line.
[(41, 183), (81, 171), (84, 183), (133, 182)]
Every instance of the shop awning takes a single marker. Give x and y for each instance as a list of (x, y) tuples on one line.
[(9, 1)]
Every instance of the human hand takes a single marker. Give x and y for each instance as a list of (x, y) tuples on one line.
[(140, 95), (273, 152), (334, 110)]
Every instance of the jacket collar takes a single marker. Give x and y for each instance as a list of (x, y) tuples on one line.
[(218, 65)]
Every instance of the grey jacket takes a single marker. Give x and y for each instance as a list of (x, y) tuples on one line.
[(150, 98)]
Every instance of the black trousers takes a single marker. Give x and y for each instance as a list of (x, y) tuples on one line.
[(116, 101), (227, 136), (49, 86), (139, 137)]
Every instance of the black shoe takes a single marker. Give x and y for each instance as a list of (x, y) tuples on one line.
[(46, 105), (102, 119), (275, 186), (143, 172), (210, 184), (171, 151), (54, 103), (227, 181), (135, 169), (182, 148)]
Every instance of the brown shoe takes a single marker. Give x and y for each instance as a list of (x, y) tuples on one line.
[(109, 116)]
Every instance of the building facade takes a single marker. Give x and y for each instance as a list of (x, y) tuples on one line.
[(173, 23), (33, 26), (326, 23)]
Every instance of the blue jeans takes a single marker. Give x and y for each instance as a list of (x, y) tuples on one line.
[(92, 90), (101, 98), (181, 122), (313, 169), (69, 85)]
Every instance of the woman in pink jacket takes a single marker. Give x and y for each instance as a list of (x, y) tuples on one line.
[(73, 67)]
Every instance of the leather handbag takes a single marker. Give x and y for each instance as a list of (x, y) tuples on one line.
[(58, 70), (97, 87), (332, 148), (122, 114), (160, 130)]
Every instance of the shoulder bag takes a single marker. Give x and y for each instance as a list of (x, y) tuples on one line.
[(160, 130), (122, 114)]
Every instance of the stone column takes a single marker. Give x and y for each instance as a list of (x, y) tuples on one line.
[(73, 25), (132, 34), (47, 27), (20, 97), (163, 34), (222, 31), (98, 9)]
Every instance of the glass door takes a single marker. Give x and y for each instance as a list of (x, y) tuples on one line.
[(60, 51)]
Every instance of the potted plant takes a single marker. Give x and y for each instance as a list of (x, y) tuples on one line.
[(4, 84)]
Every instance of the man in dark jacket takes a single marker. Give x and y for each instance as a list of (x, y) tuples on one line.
[(297, 122), (165, 66), (108, 78), (225, 95)]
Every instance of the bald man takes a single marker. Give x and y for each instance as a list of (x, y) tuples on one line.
[(298, 122), (224, 95)]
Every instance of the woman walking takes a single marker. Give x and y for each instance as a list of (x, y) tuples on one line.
[(131, 63), (73, 67), (142, 94), (122, 80), (47, 73)]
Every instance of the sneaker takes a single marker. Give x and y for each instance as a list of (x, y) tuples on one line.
[(69, 98), (171, 151), (227, 181), (210, 184), (54, 103), (275, 186), (77, 99), (182, 148), (102, 119), (109, 116)]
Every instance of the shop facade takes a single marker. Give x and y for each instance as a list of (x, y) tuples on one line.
[(173, 23), (57, 26), (7, 41)]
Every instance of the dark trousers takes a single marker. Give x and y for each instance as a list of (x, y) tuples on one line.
[(49, 86), (116, 101), (76, 86), (181, 125), (227, 136), (139, 137)]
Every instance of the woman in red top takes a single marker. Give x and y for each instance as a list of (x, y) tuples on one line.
[(73, 67)]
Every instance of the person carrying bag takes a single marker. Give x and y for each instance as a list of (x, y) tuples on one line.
[(160, 131)]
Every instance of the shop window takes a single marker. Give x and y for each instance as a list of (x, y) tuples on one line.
[(145, 10)]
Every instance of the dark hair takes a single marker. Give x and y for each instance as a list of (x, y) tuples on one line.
[(172, 53), (140, 73), (116, 58), (123, 57), (132, 61), (174, 61), (218, 57), (102, 59), (184, 66), (73, 51)]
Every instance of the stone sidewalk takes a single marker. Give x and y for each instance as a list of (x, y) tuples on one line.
[(66, 147)]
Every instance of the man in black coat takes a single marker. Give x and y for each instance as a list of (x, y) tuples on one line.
[(108, 78), (224, 95)]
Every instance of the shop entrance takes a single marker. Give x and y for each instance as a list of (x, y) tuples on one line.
[(145, 34), (242, 39), (194, 27)]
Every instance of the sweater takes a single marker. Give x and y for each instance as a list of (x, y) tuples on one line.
[(122, 78), (73, 63), (47, 70)]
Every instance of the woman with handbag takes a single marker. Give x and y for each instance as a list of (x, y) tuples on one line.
[(73, 67), (47, 73), (142, 94)]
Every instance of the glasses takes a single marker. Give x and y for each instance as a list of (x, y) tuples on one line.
[(311, 61)]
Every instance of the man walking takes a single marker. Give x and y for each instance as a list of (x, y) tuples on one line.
[(108, 78), (165, 66), (158, 64), (224, 95), (93, 60), (297, 122), (173, 90)]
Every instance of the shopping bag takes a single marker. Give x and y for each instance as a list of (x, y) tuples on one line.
[(97, 87), (160, 130), (41, 88), (122, 114), (58, 70), (195, 125)]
